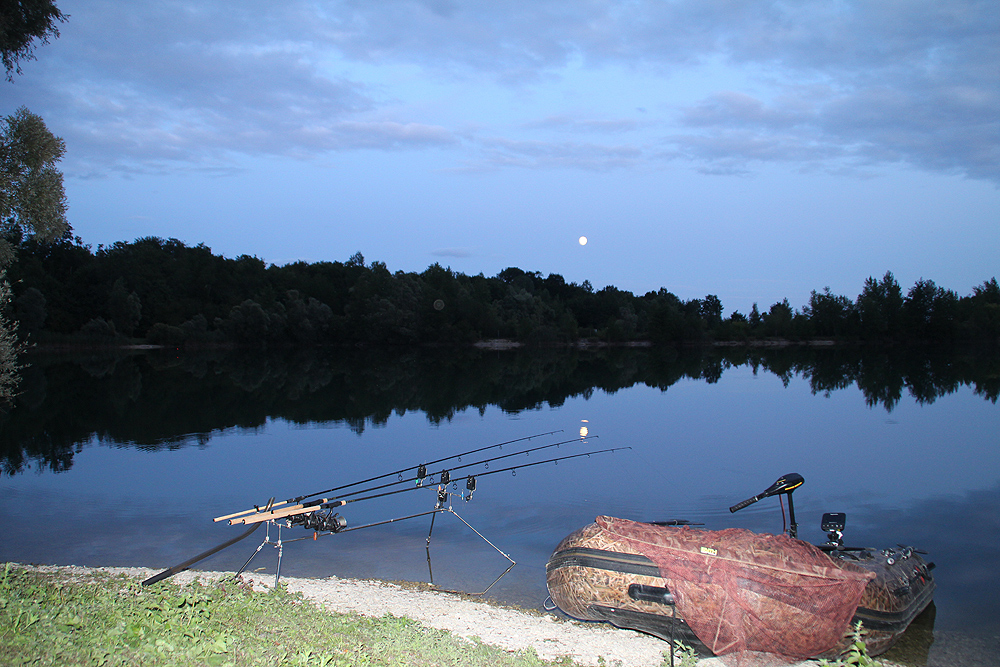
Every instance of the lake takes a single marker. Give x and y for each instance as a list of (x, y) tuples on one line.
[(124, 459)]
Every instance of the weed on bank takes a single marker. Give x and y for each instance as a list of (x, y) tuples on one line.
[(101, 619)]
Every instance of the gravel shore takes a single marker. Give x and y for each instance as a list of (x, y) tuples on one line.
[(551, 636)]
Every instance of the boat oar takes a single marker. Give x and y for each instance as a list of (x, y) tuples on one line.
[(171, 571)]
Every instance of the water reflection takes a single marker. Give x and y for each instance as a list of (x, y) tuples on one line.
[(164, 400), (152, 446)]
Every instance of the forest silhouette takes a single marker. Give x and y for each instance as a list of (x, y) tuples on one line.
[(164, 292)]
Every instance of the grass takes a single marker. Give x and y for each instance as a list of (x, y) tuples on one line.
[(52, 619)]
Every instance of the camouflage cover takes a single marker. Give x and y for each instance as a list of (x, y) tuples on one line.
[(736, 591), (743, 591)]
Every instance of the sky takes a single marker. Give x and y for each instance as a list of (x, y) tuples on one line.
[(748, 149)]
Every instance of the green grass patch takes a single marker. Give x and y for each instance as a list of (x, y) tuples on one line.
[(56, 619)]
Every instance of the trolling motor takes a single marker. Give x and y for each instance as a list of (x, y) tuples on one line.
[(784, 485)]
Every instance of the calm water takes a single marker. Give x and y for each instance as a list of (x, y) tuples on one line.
[(125, 460)]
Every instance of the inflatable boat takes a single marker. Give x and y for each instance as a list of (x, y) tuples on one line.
[(733, 591)]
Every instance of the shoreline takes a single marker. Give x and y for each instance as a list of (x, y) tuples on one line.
[(69, 345), (552, 637)]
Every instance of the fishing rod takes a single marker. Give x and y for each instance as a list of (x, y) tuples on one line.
[(470, 480), (445, 479), (323, 518), (180, 567), (299, 499), (318, 514), (421, 475)]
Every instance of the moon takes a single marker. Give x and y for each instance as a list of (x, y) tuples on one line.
[(583, 240)]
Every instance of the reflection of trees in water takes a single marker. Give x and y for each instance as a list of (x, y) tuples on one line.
[(164, 400)]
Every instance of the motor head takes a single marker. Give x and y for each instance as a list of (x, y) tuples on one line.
[(784, 484)]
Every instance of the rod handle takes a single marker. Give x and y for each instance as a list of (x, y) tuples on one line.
[(313, 506), (267, 516), (236, 514)]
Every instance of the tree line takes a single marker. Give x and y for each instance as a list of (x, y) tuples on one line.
[(166, 292)]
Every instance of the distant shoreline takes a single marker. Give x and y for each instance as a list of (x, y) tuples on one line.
[(492, 344)]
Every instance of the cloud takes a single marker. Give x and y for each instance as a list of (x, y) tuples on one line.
[(143, 86), (386, 135), (568, 123), (733, 109), (154, 85), (942, 128), (921, 72), (501, 152), (453, 252)]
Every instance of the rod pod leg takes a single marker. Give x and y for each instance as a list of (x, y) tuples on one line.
[(281, 548), (495, 547), (267, 540), (433, 516)]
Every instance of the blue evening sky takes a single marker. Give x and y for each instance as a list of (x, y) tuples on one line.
[(753, 150)]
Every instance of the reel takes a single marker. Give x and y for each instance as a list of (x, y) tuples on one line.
[(328, 521)]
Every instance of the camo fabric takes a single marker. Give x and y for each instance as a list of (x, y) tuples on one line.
[(743, 593)]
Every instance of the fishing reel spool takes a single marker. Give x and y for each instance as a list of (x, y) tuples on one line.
[(328, 521)]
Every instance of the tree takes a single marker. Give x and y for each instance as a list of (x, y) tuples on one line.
[(9, 375), (125, 308), (711, 311), (778, 320), (21, 23), (31, 191), (32, 198), (30, 312), (831, 314), (880, 307), (985, 315), (248, 324)]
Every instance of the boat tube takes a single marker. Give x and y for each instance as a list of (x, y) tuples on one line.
[(735, 591)]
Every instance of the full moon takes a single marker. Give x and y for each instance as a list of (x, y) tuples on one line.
[(583, 240)]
